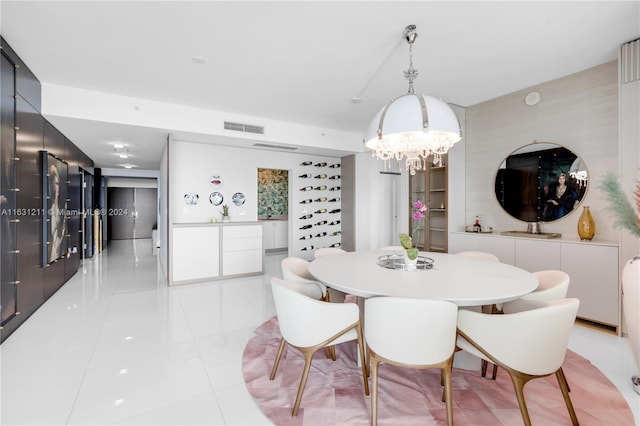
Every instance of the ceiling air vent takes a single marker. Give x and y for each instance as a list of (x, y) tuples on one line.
[(265, 145), (240, 127)]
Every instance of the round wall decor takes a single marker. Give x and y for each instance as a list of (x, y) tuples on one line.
[(216, 198)]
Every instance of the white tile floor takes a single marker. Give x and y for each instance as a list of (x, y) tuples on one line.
[(116, 345)]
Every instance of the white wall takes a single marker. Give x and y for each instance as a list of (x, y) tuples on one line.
[(163, 202), (579, 111), (370, 200), (192, 164)]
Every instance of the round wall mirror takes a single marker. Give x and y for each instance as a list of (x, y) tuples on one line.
[(541, 182)]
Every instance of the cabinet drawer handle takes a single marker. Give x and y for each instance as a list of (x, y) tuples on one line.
[(14, 251)]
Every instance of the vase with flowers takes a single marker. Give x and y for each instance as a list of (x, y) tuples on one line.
[(411, 252), (627, 217)]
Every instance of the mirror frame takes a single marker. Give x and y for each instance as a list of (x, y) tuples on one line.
[(550, 160)]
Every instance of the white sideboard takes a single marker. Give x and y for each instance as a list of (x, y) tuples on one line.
[(591, 265), (210, 251), (276, 234)]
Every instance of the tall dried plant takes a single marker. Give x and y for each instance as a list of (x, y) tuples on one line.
[(620, 206)]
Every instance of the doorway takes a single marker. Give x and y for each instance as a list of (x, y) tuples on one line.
[(389, 220), (131, 212)]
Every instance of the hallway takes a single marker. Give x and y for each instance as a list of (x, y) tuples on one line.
[(116, 345)]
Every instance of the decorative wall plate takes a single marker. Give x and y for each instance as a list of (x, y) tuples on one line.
[(216, 198), (191, 198), (238, 198), (216, 181)]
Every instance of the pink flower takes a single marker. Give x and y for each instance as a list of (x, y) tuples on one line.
[(418, 215), (419, 206)]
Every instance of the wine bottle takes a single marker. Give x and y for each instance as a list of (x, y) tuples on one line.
[(322, 222), (306, 237), (307, 201), (306, 163), (306, 188), (306, 248), (335, 211), (306, 216), (334, 200), (305, 227), (335, 222), (335, 245), (321, 211), (334, 177), (335, 188), (321, 234), (322, 176), (321, 199), (318, 188), (335, 166), (305, 176), (321, 164)]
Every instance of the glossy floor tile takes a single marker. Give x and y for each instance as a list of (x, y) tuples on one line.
[(116, 345)]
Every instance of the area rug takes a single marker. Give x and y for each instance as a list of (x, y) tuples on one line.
[(334, 394)]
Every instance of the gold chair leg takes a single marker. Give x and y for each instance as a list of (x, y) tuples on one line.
[(308, 355), (277, 361), (564, 387), (375, 363), (561, 371), (365, 373), (447, 393), (518, 385)]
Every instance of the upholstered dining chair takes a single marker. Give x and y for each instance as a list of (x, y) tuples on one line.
[(327, 251), (295, 269), (309, 325), (332, 294), (528, 344), (552, 285), (399, 249), (412, 333), (490, 309), (480, 255)]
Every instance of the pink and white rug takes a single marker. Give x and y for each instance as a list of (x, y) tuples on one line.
[(334, 393)]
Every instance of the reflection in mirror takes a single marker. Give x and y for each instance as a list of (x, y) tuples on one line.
[(541, 182)]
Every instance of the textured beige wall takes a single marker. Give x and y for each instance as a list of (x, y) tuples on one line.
[(579, 111)]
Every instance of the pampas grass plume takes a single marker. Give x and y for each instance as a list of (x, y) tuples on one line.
[(620, 206)]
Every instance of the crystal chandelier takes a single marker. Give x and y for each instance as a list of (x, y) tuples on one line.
[(412, 126)]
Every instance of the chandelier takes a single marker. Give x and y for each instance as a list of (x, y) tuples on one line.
[(413, 127)]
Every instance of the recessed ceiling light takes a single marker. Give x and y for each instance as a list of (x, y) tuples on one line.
[(117, 145), (199, 60), (124, 156)]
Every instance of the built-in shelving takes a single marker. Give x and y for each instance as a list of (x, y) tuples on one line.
[(430, 187)]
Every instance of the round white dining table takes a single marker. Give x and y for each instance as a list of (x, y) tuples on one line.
[(463, 280)]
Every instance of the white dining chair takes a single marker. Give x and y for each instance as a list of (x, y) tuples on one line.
[(308, 325), (398, 249), (327, 251), (528, 344), (295, 269), (411, 333), (489, 309), (332, 294), (631, 311), (480, 255), (552, 284)]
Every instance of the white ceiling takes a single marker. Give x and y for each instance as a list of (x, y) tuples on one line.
[(302, 61)]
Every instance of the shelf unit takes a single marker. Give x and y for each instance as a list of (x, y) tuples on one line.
[(430, 187)]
